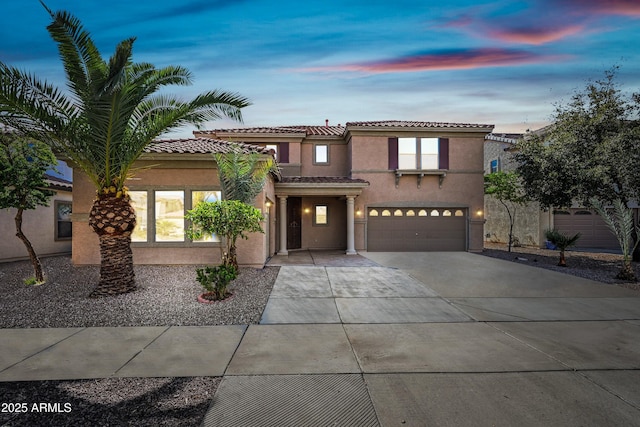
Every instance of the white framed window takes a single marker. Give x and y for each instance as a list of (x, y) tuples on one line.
[(321, 154), (321, 215), (418, 153), (407, 150), (140, 204), (198, 196), (169, 216), (428, 153), (160, 214)]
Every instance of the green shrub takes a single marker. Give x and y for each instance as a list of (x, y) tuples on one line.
[(215, 280)]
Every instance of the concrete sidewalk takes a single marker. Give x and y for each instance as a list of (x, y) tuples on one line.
[(410, 340)]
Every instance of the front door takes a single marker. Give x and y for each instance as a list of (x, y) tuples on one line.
[(294, 222)]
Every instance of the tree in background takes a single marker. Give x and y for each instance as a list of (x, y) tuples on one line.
[(506, 188), (112, 111), (23, 164), (590, 152)]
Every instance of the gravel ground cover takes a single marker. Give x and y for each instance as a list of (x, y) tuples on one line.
[(167, 295), (598, 266)]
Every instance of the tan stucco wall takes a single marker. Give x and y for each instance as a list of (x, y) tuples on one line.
[(462, 186), (165, 175), (526, 227), (39, 227), (338, 161), (330, 236)]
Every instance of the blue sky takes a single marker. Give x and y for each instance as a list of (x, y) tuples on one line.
[(492, 62)]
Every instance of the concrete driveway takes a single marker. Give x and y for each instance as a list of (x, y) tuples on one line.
[(385, 339), (442, 339)]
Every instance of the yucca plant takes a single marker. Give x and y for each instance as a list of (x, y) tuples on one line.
[(111, 113), (562, 242), (620, 222)]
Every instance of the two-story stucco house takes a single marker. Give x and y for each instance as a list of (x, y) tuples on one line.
[(364, 186), (375, 186)]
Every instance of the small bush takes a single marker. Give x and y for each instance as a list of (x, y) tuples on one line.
[(215, 280)]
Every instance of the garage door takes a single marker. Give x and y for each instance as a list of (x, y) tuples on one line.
[(416, 229), (594, 232)]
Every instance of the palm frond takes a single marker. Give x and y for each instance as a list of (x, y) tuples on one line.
[(83, 64)]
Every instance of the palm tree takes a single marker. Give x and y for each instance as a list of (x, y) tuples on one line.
[(562, 242), (112, 113), (243, 174)]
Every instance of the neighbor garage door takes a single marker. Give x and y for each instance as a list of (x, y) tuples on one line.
[(416, 229), (594, 232)]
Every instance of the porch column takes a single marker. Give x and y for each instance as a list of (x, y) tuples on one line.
[(351, 250), (283, 225)]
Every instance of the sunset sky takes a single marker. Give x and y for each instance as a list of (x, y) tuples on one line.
[(300, 62)]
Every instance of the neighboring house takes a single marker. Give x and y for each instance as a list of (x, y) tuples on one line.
[(48, 228), (375, 186), (532, 222)]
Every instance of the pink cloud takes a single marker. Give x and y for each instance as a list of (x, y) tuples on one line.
[(532, 35), (449, 60), (606, 7)]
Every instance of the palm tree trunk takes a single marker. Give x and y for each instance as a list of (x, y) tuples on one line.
[(563, 261), (35, 261), (113, 219)]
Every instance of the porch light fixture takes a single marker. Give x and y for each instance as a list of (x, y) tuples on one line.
[(307, 210), (479, 212), (268, 204)]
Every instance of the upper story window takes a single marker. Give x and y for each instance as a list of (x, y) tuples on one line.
[(494, 166), (281, 151), (418, 153), (320, 154)]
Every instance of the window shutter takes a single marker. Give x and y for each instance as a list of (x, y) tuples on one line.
[(284, 152), (443, 153), (393, 153)]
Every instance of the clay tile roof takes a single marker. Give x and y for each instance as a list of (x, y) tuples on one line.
[(320, 130), (303, 130), (276, 129), (201, 146), (415, 124), (321, 180), (57, 182), (510, 138)]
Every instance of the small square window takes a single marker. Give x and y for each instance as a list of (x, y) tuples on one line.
[(321, 216), (321, 154)]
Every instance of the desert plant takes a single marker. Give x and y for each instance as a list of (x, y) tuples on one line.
[(562, 242), (242, 175), (215, 280), (620, 222), (229, 219)]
